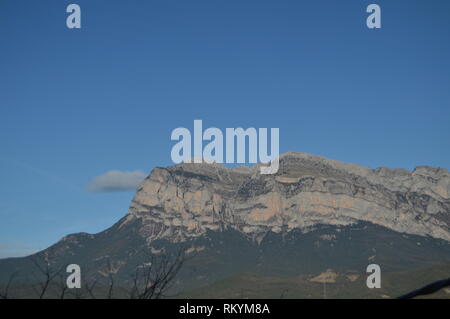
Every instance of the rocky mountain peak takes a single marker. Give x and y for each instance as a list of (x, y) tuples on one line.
[(187, 200)]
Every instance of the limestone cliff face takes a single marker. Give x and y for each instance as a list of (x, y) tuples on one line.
[(187, 200)]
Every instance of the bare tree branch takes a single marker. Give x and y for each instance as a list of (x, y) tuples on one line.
[(48, 273), (5, 293), (153, 278), (90, 288), (62, 286)]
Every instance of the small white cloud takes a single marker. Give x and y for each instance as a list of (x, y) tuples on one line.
[(116, 181)]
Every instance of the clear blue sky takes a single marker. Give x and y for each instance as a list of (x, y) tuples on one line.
[(75, 104)]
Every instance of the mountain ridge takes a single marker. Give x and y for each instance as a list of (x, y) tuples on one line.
[(187, 199), (314, 214)]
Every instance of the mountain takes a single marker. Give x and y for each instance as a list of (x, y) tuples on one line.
[(315, 215), (185, 201)]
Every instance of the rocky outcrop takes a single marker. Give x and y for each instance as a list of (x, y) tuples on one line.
[(187, 200)]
